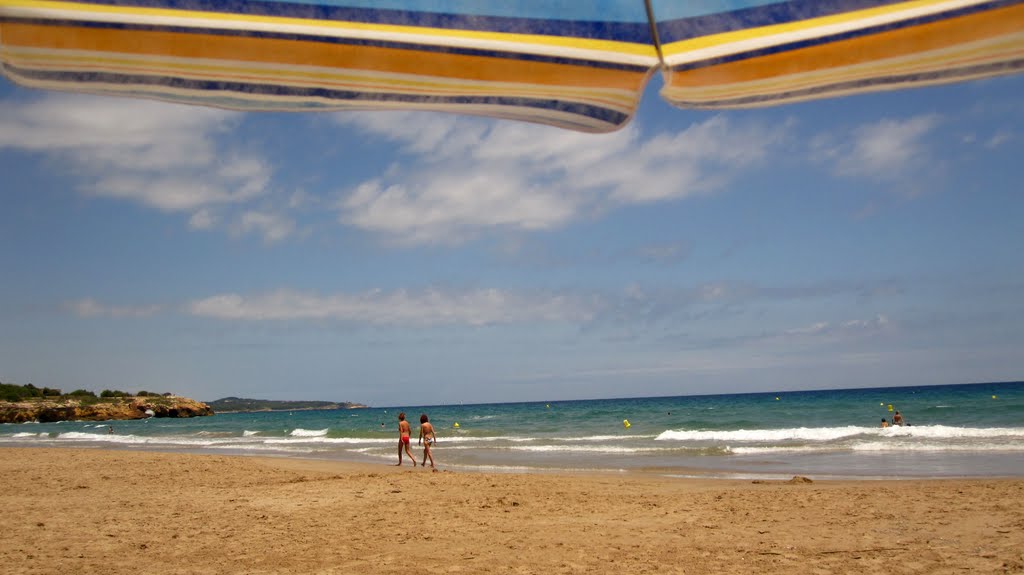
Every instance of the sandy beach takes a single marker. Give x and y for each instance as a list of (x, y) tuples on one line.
[(112, 512)]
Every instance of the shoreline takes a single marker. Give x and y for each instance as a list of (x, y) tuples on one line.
[(958, 432), (125, 511), (734, 468)]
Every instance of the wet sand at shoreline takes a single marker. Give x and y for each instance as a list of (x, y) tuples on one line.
[(114, 512)]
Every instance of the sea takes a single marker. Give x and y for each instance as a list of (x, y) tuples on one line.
[(971, 430)]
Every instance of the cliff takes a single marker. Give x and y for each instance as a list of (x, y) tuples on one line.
[(65, 409)]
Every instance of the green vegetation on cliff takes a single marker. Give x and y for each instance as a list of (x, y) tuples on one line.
[(11, 392), (229, 404), (28, 392), (22, 403)]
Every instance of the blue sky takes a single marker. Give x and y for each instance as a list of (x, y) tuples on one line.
[(418, 258)]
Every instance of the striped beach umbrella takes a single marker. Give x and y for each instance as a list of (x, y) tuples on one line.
[(576, 64)]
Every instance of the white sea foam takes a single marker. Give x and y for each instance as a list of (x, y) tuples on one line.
[(594, 449), (585, 449), (247, 433), (778, 449), (946, 431), (936, 447), (487, 439), (327, 440), (27, 434), (836, 433), (83, 435), (192, 442), (763, 435), (308, 432), (604, 438), (528, 439), (880, 447), (257, 447)]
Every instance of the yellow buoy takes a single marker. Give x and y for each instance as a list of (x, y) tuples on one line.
[(890, 407), (625, 423), (994, 397), (455, 425)]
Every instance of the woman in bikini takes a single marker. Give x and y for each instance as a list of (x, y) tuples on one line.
[(427, 438)]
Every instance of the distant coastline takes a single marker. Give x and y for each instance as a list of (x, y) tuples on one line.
[(246, 405)]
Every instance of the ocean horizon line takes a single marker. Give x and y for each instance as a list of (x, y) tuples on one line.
[(778, 392)]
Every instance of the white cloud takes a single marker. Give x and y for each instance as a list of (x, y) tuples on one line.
[(96, 127), (419, 132), (161, 155), (816, 328), (888, 150), (300, 199), (847, 328), (999, 138), (88, 307), (464, 175), (434, 306), (169, 192), (400, 307), (448, 207), (664, 253), (202, 220), (456, 177), (273, 227)]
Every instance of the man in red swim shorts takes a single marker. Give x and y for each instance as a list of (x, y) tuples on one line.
[(404, 436)]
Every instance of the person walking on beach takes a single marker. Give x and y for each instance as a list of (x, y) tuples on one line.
[(404, 438), (427, 438)]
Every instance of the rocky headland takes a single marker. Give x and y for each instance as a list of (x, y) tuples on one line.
[(119, 408), (242, 404)]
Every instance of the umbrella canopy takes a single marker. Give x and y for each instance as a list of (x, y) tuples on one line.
[(577, 65), (754, 53)]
